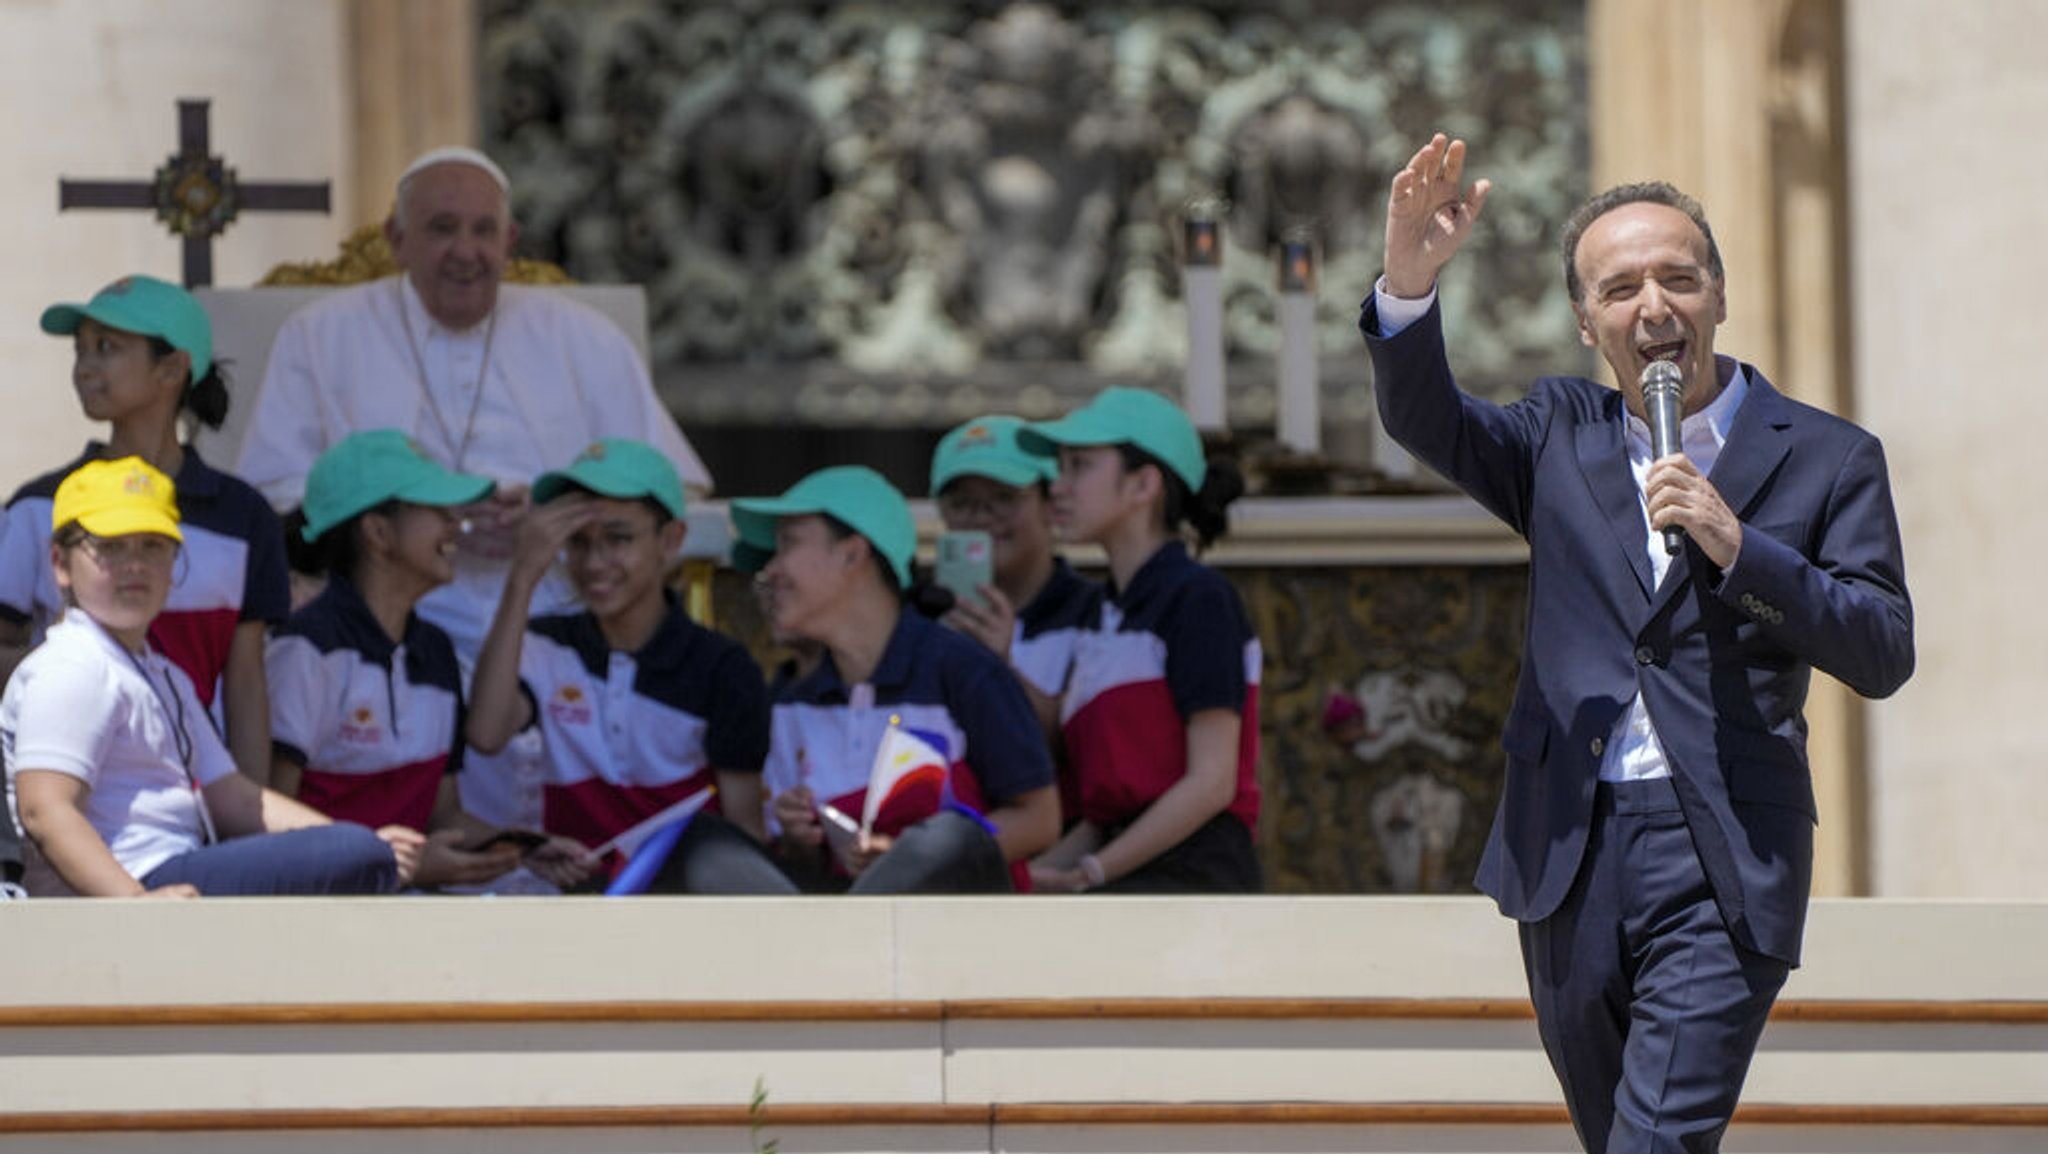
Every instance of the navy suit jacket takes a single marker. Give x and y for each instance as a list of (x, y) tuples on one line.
[(1722, 659)]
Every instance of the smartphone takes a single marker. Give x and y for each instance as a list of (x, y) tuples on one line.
[(525, 839), (966, 563)]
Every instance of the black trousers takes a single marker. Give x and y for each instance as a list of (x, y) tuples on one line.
[(1649, 1009), (1218, 858)]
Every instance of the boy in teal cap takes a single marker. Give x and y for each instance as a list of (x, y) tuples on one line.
[(843, 541), (982, 479), (640, 708)]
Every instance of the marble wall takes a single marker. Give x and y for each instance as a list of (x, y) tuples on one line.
[(91, 90), (1947, 180)]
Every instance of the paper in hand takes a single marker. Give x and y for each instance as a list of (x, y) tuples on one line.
[(842, 834)]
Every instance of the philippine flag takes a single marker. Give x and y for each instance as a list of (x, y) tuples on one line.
[(908, 762)]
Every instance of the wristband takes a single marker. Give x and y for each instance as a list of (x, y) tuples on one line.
[(1091, 868)]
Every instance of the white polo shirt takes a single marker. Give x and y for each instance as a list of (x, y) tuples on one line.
[(81, 704)]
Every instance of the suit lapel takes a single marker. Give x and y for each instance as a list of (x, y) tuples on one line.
[(1604, 461), (1757, 444)]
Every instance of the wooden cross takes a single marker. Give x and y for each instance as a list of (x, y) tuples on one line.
[(196, 195)]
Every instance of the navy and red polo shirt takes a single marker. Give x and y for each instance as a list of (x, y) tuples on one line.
[(1042, 650), (231, 569), (1175, 643), (629, 734), (376, 724), (930, 679)]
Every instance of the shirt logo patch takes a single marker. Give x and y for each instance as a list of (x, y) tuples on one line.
[(360, 728), (568, 707)]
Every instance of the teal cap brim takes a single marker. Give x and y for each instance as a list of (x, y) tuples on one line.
[(989, 465)]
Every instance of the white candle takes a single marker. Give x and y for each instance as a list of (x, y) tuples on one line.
[(1202, 291), (1300, 424)]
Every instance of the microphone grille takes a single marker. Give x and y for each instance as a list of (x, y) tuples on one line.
[(1662, 377)]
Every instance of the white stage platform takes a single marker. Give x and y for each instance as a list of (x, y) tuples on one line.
[(1071, 1025)]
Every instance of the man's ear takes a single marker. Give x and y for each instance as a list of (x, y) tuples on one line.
[(392, 232), (511, 235), (57, 566), (1585, 327), (1720, 302), (673, 534)]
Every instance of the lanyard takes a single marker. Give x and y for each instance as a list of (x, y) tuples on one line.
[(172, 703), (457, 449)]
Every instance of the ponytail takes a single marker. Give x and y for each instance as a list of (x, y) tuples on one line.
[(338, 551), (1205, 511), (206, 398)]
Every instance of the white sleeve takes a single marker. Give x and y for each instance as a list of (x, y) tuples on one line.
[(302, 696), (66, 717), (631, 408), (285, 432), (1397, 313)]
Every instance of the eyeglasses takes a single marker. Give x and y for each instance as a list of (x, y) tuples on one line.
[(134, 549), (602, 542), (993, 505)]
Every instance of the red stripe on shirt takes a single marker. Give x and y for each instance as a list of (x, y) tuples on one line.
[(402, 795)]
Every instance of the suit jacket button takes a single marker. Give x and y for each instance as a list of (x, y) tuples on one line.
[(1597, 745), (1645, 655)]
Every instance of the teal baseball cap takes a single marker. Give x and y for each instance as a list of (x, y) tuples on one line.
[(617, 467), (1126, 416), (856, 495), (145, 305), (363, 470), (987, 447)]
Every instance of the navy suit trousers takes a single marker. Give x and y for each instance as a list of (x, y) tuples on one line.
[(1648, 1008)]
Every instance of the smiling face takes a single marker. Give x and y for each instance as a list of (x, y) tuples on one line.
[(1648, 294), (812, 575), (617, 560), (453, 234), (417, 539), (122, 582), (116, 374)]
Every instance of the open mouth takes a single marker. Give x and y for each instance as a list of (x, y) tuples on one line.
[(1662, 351)]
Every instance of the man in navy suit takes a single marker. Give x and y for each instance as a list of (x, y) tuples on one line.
[(1655, 832)]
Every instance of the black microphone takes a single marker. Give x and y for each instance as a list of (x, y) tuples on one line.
[(1664, 404)]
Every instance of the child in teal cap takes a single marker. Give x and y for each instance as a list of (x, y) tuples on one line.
[(1161, 714), (142, 358), (843, 540), (640, 708), (366, 695), (982, 479)]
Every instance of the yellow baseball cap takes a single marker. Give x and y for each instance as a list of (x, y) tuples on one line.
[(116, 499)]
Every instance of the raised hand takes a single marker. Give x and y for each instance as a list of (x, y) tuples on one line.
[(546, 529), (1429, 215)]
